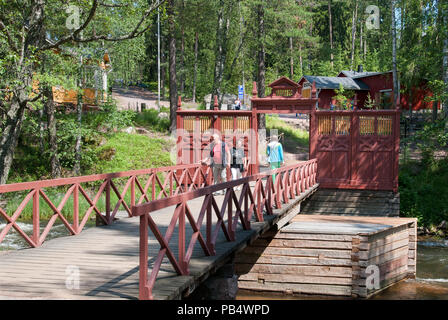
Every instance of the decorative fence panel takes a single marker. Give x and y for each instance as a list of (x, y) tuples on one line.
[(356, 149)]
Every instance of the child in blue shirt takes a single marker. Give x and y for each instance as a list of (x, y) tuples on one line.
[(275, 154)]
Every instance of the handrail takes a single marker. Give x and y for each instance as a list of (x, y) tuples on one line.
[(290, 182), (178, 179)]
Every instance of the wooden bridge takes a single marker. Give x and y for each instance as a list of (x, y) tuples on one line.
[(193, 231), (112, 261)]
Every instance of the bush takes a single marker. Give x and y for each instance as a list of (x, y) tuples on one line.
[(424, 191), (150, 119)]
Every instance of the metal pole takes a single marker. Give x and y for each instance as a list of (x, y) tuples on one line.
[(158, 57)]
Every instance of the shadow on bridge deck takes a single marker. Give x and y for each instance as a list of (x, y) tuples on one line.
[(103, 262)]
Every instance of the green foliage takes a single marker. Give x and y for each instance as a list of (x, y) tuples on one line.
[(150, 119), (343, 97), (433, 136), (370, 103), (424, 191)]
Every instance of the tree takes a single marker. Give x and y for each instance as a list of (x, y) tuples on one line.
[(172, 65), (394, 55), (25, 25), (445, 58)]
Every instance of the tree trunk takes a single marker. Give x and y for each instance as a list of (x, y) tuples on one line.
[(261, 76), (172, 66), (195, 72), (394, 56), (162, 67), (331, 34), (221, 51), (291, 61), (77, 166), (10, 137), (182, 67), (51, 131), (434, 111), (445, 61), (355, 18)]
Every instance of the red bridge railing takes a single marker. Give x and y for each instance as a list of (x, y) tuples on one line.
[(143, 185), (290, 182)]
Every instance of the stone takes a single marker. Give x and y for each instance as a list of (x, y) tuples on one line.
[(163, 115), (142, 131), (223, 285), (129, 130)]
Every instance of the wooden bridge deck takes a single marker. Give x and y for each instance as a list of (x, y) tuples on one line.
[(107, 259)]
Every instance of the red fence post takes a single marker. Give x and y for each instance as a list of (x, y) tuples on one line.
[(76, 208), (144, 291), (36, 218), (182, 263), (108, 201), (133, 190)]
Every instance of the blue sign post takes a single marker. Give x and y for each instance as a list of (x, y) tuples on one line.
[(240, 92)]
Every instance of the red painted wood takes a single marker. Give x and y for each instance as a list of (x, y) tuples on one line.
[(75, 189), (254, 202), (358, 161)]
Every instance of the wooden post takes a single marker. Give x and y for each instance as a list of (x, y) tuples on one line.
[(76, 209), (181, 249), (144, 291), (133, 190), (36, 218), (108, 218), (215, 103)]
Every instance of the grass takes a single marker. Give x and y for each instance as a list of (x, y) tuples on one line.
[(124, 151), (293, 137)]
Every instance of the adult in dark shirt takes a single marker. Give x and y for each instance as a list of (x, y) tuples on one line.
[(239, 161)]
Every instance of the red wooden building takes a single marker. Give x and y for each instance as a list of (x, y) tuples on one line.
[(355, 149), (378, 84)]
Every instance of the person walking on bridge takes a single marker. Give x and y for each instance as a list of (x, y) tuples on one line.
[(274, 152), (219, 160)]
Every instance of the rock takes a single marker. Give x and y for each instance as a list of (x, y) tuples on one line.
[(102, 142), (421, 231), (103, 129), (227, 100), (442, 225), (221, 286), (207, 100), (163, 115), (142, 131), (129, 130)]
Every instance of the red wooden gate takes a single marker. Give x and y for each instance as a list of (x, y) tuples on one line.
[(356, 149)]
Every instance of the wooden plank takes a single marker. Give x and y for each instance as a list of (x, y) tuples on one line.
[(298, 270), (289, 278), (400, 252), (383, 249), (298, 261), (303, 244), (298, 252), (297, 288), (309, 236)]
